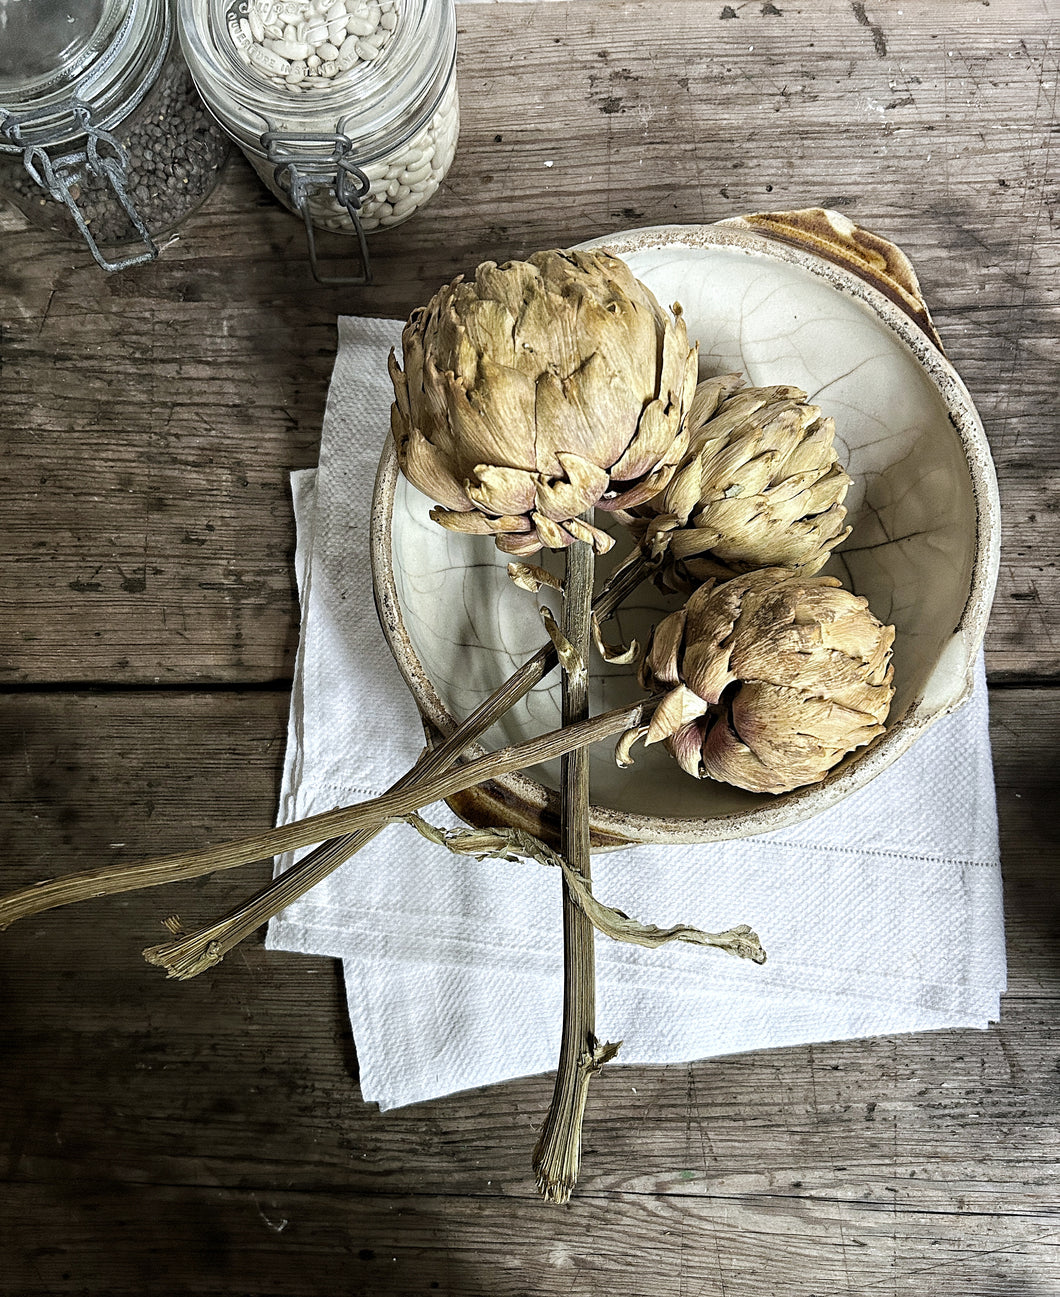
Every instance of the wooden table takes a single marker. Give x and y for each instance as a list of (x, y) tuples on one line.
[(208, 1137)]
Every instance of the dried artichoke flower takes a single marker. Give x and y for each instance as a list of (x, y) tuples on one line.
[(537, 390), (759, 486), (774, 677)]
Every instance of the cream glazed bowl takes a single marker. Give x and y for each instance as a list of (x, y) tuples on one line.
[(805, 298)]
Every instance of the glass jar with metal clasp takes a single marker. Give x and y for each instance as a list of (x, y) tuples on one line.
[(102, 133), (346, 109)]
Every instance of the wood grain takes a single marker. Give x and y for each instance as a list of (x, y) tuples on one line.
[(299, 1245), (250, 1084), (151, 418)]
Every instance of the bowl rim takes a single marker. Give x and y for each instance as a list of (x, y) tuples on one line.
[(625, 828)]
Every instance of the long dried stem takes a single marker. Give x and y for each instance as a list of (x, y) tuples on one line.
[(373, 813), (89, 884), (194, 952), (557, 1157)]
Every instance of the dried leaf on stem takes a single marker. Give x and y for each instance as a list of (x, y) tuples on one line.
[(516, 844)]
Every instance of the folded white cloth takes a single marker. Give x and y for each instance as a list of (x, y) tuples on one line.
[(881, 915)]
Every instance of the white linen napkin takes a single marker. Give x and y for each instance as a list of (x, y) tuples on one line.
[(881, 915)]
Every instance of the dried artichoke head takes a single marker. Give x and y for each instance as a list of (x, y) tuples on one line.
[(538, 389), (759, 486), (773, 678)]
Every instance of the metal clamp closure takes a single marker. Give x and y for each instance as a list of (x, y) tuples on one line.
[(299, 173), (104, 157)]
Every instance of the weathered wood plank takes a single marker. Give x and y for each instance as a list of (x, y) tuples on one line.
[(150, 418), (275, 1241), (252, 1086)]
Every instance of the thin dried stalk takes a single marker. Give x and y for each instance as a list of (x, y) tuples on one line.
[(557, 1157), (196, 951), (373, 814)]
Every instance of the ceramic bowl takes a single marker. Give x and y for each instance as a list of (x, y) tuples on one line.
[(805, 298)]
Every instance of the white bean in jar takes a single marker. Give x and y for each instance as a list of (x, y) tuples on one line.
[(303, 45), (331, 99), (402, 181)]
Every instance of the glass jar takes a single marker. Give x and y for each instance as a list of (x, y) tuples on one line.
[(346, 109), (102, 134)]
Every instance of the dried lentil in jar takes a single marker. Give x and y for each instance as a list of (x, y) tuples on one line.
[(102, 133), (346, 109)]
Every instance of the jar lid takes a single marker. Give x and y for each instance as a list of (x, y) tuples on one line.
[(49, 41), (57, 58)]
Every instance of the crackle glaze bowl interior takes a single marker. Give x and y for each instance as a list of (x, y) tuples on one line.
[(806, 299)]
